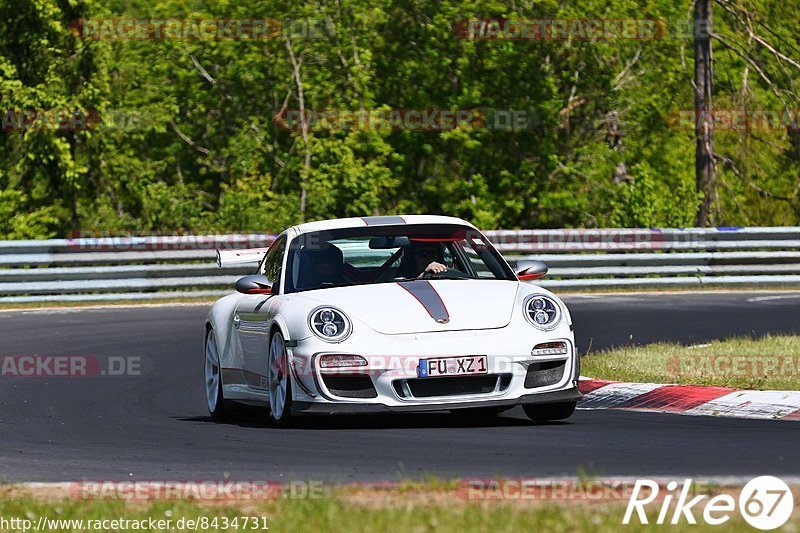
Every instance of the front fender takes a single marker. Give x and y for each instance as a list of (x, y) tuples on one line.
[(220, 318)]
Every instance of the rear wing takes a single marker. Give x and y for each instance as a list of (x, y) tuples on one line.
[(250, 257)]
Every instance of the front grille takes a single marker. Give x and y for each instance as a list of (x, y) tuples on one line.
[(453, 386), (358, 386), (544, 374)]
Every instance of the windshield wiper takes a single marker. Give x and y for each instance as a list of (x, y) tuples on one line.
[(330, 285)]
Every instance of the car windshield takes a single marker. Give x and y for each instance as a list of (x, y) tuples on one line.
[(384, 254)]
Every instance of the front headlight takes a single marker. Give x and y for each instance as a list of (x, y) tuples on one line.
[(329, 324), (542, 311)]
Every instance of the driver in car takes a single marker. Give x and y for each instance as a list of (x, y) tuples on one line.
[(321, 266), (426, 259)]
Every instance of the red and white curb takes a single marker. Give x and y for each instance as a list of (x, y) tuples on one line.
[(690, 400)]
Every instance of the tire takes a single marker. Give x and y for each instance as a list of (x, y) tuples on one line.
[(215, 398), (549, 411), (279, 382)]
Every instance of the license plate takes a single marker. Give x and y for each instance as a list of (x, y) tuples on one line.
[(453, 366)]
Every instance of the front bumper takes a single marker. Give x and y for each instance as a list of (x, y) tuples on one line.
[(390, 382), (567, 395)]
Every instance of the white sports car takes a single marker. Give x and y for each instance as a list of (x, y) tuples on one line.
[(388, 313)]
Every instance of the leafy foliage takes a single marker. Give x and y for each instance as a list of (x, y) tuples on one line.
[(188, 140)]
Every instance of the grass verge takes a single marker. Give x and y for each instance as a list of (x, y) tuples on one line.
[(26, 306), (767, 363), (428, 509)]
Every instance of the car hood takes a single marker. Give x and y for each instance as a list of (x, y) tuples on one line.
[(422, 306)]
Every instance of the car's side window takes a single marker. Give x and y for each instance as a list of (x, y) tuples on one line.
[(273, 262), (477, 262), (450, 259)]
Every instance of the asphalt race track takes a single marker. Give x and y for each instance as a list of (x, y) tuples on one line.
[(156, 427)]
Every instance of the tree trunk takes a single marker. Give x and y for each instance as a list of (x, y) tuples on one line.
[(794, 139), (705, 169), (75, 223), (303, 129)]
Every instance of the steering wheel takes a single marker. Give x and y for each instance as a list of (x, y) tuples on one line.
[(449, 273)]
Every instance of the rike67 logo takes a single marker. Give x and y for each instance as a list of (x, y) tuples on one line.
[(765, 502)]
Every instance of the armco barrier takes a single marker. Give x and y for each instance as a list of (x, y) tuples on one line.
[(143, 268)]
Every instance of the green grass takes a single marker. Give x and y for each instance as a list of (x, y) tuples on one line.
[(336, 514), (709, 288), (187, 299), (767, 363)]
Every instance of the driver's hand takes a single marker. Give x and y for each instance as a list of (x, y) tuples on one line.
[(435, 268)]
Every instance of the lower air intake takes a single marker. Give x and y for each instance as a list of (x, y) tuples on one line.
[(544, 374), (455, 386), (359, 386)]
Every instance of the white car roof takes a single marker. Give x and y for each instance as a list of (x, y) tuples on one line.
[(388, 220)]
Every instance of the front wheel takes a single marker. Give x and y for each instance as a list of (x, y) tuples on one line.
[(279, 382), (549, 411), (215, 400)]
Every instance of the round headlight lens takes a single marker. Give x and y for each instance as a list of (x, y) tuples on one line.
[(542, 311), (329, 324)]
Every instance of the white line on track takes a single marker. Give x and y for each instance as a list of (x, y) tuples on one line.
[(774, 297)]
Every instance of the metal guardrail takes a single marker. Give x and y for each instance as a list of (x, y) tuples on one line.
[(144, 268)]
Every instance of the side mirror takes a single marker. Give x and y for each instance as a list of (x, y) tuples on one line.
[(530, 270), (255, 284)]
